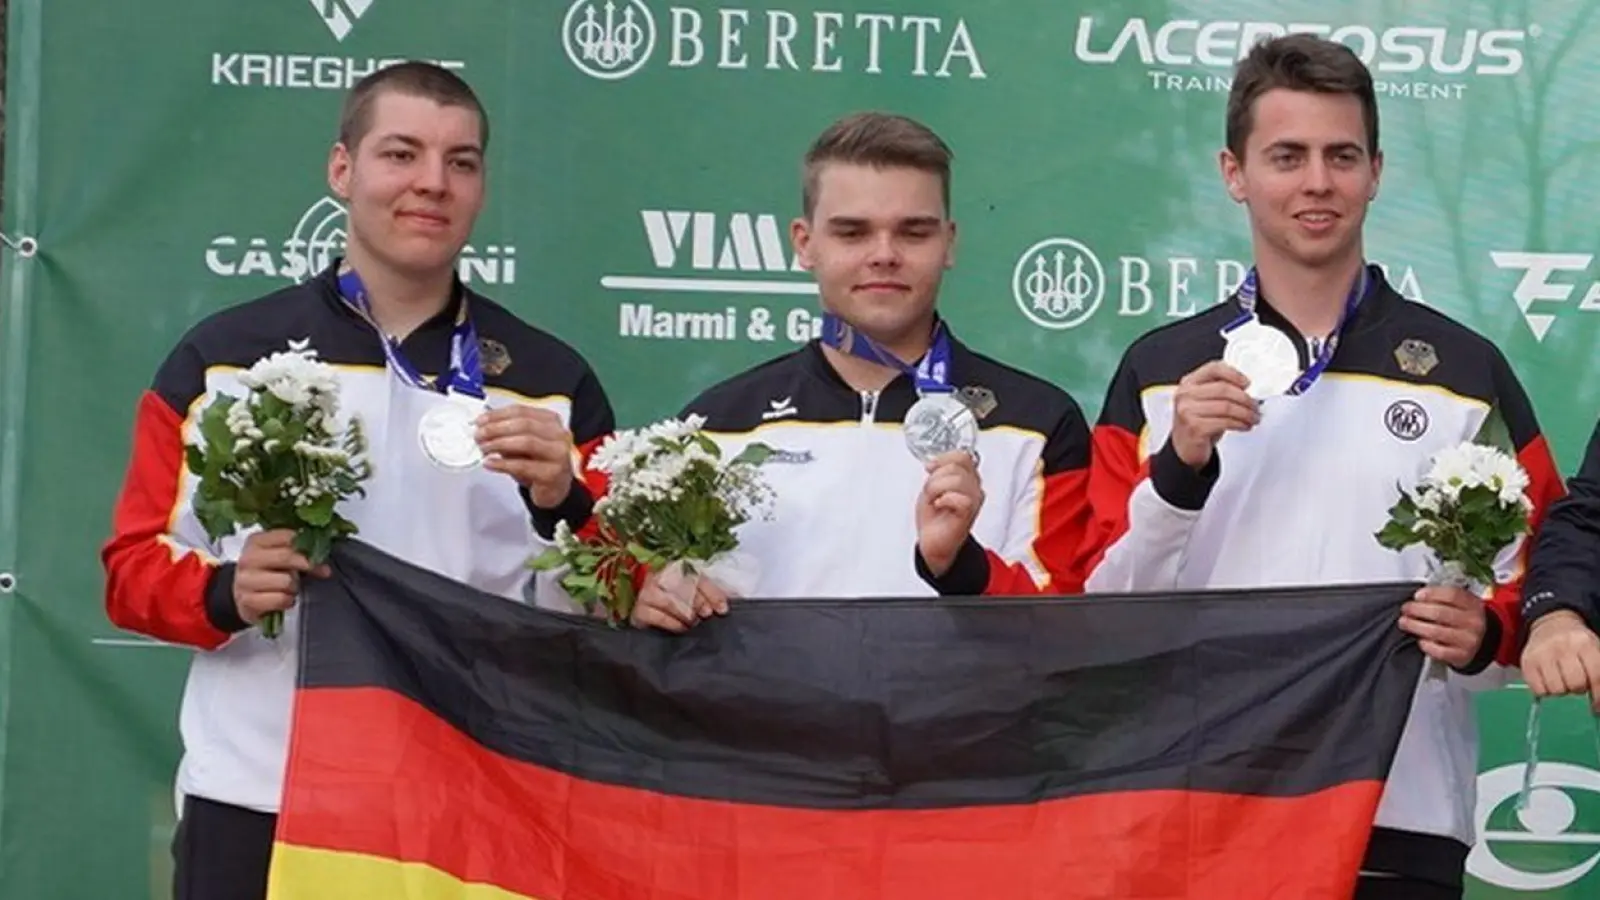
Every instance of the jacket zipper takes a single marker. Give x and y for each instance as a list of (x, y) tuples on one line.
[(869, 406)]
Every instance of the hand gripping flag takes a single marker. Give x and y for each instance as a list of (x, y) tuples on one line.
[(451, 744)]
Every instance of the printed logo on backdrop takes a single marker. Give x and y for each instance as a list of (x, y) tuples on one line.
[(1409, 61), (317, 237), (1061, 283), (311, 67), (701, 275), (341, 15), (613, 39), (1549, 279), (1542, 852)]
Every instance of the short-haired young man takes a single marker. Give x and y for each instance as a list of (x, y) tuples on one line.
[(872, 417), (408, 339), (1207, 476), (1259, 443)]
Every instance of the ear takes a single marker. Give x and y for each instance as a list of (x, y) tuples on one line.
[(1377, 174), (950, 248), (800, 238), (339, 166), (1232, 174)]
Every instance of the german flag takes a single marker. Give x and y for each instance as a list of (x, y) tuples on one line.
[(450, 744)]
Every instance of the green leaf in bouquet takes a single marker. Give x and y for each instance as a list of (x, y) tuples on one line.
[(258, 497), (315, 544), (272, 429), (646, 556), (214, 429), (195, 459), (1404, 513), (270, 407), (622, 602), (548, 561), (1396, 536), (1477, 500), (319, 512), (709, 446), (753, 455), (217, 517), (1479, 571), (580, 586)]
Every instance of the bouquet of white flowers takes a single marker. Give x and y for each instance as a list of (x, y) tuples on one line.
[(277, 457), (1471, 505), (672, 499)]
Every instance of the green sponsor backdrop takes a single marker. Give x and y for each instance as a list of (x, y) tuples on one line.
[(167, 158)]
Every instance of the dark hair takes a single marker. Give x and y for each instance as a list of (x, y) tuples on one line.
[(1298, 62), (415, 79), (876, 139)]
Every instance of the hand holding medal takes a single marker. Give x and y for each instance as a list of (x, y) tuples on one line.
[(949, 503), (1209, 402), (1258, 362), (532, 446)]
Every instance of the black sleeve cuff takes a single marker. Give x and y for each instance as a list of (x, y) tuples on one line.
[(1180, 484), (1543, 603), (574, 510), (1493, 633), (221, 611), (967, 576)]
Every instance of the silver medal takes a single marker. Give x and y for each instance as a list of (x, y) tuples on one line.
[(940, 423), (447, 434), (1264, 355)]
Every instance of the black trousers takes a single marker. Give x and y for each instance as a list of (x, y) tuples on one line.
[(221, 852), (1404, 889)]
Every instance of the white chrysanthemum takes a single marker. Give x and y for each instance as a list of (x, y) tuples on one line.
[(676, 429), (296, 377), (1472, 465), (1507, 477), (616, 453), (1452, 470)]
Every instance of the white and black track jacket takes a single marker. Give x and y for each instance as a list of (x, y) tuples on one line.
[(846, 483), (166, 579)]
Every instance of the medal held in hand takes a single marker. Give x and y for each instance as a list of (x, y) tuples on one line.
[(1268, 357), (447, 434), (940, 423), (1264, 355), (447, 431)]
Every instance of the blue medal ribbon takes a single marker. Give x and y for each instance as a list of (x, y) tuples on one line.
[(1323, 351), (465, 374), (931, 374)]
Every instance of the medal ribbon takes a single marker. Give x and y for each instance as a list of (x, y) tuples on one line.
[(931, 373), (1248, 292), (465, 374)]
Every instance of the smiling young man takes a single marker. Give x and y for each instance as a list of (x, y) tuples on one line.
[(870, 413), (1206, 476), (412, 345)]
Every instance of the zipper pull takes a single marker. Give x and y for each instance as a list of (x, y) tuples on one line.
[(869, 406)]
